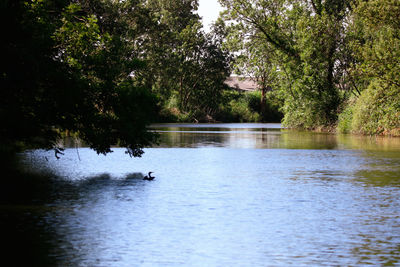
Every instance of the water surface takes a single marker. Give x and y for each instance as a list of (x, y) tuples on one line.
[(224, 195)]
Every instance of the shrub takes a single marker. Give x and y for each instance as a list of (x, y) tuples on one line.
[(346, 117), (299, 115), (377, 111), (242, 112)]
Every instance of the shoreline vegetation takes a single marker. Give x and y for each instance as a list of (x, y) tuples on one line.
[(334, 64), (105, 70), (236, 107)]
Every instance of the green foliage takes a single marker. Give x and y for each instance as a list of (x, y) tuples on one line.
[(66, 67), (377, 111), (105, 69), (242, 112), (293, 49), (234, 108), (269, 110), (247, 107), (346, 118), (316, 54), (183, 63), (298, 114), (375, 43), (253, 100)]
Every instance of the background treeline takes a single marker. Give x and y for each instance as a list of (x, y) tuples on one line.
[(333, 63), (104, 69)]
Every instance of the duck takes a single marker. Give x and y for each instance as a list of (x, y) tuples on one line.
[(149, 177)]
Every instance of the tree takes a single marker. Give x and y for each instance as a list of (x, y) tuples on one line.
[(186, 65), (254, 58), (67, 66), (375, 43), (305, 36)]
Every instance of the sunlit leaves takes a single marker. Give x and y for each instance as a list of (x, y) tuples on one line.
[(375, 30), (79, 36), (186, 67), (300, 42)]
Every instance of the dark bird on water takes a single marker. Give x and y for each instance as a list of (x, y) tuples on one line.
[(149, 177)]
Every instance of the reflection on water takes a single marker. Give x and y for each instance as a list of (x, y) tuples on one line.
[(265, 136), (224, 195)]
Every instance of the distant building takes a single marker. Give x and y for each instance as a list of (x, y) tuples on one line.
[(241, 83)]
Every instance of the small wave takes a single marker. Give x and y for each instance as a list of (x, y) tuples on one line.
[(134, 175)]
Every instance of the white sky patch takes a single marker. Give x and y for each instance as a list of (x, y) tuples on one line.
[(209, 11)]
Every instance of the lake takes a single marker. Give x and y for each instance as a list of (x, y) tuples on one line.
[(224, 195)]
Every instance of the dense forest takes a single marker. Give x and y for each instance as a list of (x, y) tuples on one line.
[(104, 70), (333, 63)]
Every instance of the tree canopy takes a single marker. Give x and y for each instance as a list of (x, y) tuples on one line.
[(66, 66), (321, 55), (102, 69), (186, 67), (300, 41)]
